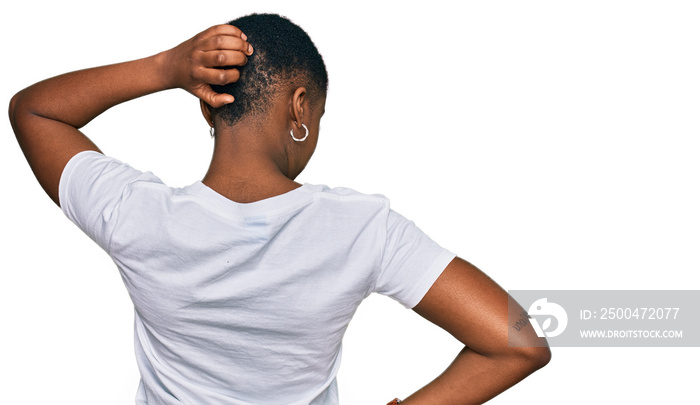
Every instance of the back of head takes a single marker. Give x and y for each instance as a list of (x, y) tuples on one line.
[(284, 58)]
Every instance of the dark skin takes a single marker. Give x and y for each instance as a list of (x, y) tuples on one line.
[(257, 159)]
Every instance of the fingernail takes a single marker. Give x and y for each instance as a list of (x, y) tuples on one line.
[(250, 48), (244, 36)]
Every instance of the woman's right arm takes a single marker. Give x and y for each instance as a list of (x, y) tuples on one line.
[(473, 308), (47, 116)]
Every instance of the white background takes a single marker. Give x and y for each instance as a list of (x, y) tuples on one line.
[(553, 144)]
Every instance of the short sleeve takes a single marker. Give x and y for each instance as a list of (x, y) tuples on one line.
[(90, 191), (411, 262)]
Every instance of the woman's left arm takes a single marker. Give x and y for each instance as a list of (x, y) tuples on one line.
[(46, 116), (473, 308)]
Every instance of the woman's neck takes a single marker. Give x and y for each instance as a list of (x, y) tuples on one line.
[(246, 166)]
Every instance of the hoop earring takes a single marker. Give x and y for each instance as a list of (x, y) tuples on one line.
[(212, 132), (300, 139)]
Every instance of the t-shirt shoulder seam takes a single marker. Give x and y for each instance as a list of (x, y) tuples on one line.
[(333, 193), (384, 231), (129, 187), (67, 172), (436, 268)]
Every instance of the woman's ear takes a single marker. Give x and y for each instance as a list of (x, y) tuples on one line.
[(299, 106), (206, 112)]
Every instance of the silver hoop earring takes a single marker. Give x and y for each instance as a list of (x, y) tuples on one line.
[(300, 139), (212, 132)]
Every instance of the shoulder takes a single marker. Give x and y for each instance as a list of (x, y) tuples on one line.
[(346, 194), (91, 179), (94, 166)]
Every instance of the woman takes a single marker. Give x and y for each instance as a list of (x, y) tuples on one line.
[(244, 283)]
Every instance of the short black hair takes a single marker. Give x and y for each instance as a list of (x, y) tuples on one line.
[(283, 56)]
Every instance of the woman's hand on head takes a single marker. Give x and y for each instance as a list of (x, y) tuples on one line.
[(198, 63), (47, 116)]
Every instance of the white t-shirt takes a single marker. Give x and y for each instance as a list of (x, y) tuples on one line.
[(244, 303)]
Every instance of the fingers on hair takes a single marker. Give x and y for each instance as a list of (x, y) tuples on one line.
[(224, 29), (224, 58), (285, 56)]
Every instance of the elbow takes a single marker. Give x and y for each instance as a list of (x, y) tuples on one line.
[(20, 108), (12, 110), (542, 357), (534, 358), (15, 109), (523, 361)]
